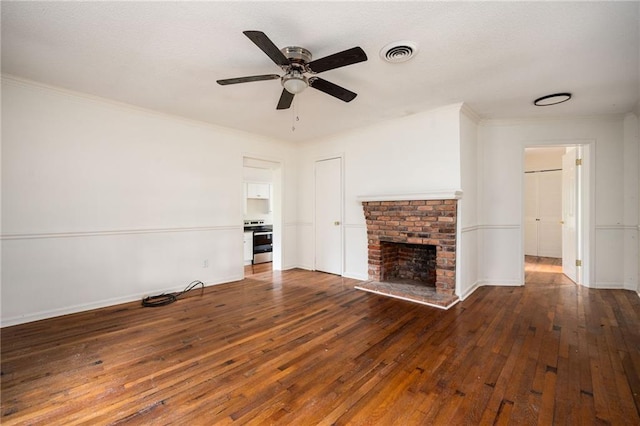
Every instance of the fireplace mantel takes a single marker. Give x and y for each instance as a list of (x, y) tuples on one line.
[(444, 194)]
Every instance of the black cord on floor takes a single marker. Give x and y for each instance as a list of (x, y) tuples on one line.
[(165, 299)]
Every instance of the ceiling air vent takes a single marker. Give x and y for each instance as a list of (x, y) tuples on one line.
[(398, 51)]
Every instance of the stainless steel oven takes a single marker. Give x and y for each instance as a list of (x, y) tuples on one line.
[(262, 240), (262, 246)]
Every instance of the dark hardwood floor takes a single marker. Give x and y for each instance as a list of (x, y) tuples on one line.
[(305, 348), (259, 268)]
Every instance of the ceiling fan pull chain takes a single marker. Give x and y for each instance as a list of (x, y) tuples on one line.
[(294, 115)]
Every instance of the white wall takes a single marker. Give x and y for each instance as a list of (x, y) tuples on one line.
[(502, 144), (413, 154), (468, 277), (631, 149), (105, 203), (539, 159)]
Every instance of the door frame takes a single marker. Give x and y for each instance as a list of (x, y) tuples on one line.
[(277, 203), (586, 204), (342, 197)]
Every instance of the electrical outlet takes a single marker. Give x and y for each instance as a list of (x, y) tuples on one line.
[(205, 264)]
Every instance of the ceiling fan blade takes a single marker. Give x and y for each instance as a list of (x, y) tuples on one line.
[(285, 100), (332, 89), (266, 45), (337, 60), (247, 79)]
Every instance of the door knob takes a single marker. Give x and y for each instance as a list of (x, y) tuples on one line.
[(336, 223)]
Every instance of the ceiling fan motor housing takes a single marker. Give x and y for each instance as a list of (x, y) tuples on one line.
[(297, 55)]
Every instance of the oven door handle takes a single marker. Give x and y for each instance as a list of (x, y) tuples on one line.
[(262, 233)]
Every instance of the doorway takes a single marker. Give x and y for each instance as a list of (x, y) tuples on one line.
[(555, 209), (328, 215), (262, 204)]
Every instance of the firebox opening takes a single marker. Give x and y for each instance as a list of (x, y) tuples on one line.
[(408, 263)]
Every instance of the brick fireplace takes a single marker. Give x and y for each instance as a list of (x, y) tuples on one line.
[(413, 242)]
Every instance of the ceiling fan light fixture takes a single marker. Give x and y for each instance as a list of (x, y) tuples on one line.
[(294, 82), (554, 99)]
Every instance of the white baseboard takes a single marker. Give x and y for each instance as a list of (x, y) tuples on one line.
[(498, 283), (305, 267), (359, 277), (609, 286), (489, 283), (288, 267), (470, 290)]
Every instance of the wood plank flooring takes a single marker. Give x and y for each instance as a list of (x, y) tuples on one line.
[(305, 348)]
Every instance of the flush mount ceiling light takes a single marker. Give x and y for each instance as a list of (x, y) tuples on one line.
[(398, 51), (554, 99)]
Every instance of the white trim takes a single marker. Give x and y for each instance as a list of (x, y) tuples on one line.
[(409, 300), (359, 277), (617, 227), (470, 290), (499, 226), (600, 285), (440, 194), (471, 228), (288, 267), (116, 232), (470, 113), (508, 122), (303, 266), (36, 316), (500, 283)]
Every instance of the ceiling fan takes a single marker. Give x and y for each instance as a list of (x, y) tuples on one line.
[(296, 62)]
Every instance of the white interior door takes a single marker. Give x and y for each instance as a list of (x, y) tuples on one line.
[(328, 209), (569, 214), (550, 213), (530, 214)]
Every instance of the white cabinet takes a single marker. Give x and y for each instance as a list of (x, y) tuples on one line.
[(248, 248), (258, 190)]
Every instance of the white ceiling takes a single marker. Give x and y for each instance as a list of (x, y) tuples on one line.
[(495, 56)]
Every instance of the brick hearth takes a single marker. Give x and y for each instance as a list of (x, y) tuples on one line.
[(418, 227)]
